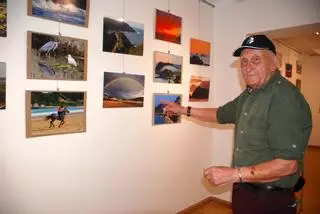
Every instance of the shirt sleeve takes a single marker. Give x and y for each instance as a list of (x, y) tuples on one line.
[(227, 112), (290, 127)]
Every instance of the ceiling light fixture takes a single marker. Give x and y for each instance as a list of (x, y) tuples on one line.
[(317, 33)]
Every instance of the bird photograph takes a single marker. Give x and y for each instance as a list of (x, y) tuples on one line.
[(56, 57)]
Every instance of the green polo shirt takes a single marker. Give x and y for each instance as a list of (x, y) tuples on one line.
[(271, 122)]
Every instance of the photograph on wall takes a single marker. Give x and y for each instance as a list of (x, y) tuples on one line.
[(199, 89), (298, 67), (75, 12), (2, 85), (288, 70), (199, 52), (56, 57), (52, 113), (3, 18), (298, 84), (168, 27), (167, 68), (159, 117), (121, 90), (124, 37)]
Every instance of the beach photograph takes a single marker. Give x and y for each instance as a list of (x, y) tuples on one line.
[(75, 12), (168, 27), (159, 117), (3, 18), (52, 113), (199, 89), (2, 85), (167, 68), (121, 90), (199, 52), (122, 36), (56, 57)]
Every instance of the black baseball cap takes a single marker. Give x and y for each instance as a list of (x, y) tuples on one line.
[(260, 42)]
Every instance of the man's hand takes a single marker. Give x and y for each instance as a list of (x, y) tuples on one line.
[(221, 175), (172, 108)]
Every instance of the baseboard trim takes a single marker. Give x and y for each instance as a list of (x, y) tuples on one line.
[(204, 202)]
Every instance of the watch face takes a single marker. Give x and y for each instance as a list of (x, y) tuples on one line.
[(189, 111)]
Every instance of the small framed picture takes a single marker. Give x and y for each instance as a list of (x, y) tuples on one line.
[(199, 52), (2, 85), (288, 70), (75, 12), (159, 117), (54, 57), (121, 90), (167, 68), (3, 18), (124, 37), (53, 113), (199, 89), (298, 67), (168, 27)]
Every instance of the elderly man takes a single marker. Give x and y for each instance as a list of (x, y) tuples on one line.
[(272, 128)]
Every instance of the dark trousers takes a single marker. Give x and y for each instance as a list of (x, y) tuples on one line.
[(249, 199)]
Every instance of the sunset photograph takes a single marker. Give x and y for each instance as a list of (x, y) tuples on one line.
[(199, 52), (168, 27)]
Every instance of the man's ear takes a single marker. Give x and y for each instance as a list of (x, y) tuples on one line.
[(273, 60)]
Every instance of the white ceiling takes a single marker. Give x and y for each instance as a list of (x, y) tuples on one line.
[(302, 39)]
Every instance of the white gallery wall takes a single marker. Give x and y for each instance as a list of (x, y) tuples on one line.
[(233, 20), (121, 164), (311, 89)]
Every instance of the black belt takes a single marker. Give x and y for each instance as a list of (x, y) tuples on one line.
[(260, 186)]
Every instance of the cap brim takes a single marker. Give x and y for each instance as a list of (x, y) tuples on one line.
[(238, 51)]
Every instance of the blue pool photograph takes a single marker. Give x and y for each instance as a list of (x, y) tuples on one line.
[(159, 116)]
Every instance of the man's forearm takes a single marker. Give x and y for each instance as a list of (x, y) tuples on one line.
[(268, 171), (203, 114)]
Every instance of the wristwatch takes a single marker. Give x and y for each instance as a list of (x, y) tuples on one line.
[(188, 111)]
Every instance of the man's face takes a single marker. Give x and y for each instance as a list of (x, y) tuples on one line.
[(257, 66)]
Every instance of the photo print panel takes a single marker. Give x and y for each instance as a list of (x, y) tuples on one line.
[(168, 27), (199, 52), (56, 57), (53, 113), (167, 68), (121, 90), (2, 85), (288, 70), (298, 67), (3, 18), (124, 37), (199, 89), (75, 12), (159, 117)]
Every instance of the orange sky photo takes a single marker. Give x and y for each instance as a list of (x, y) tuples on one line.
[(199, 47), (168, 26)]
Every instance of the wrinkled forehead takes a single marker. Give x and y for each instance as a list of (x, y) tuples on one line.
[(251, 52)]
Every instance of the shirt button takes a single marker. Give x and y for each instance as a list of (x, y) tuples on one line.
[(245, 113), (241, 131), (237, 149), (279, 82)]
